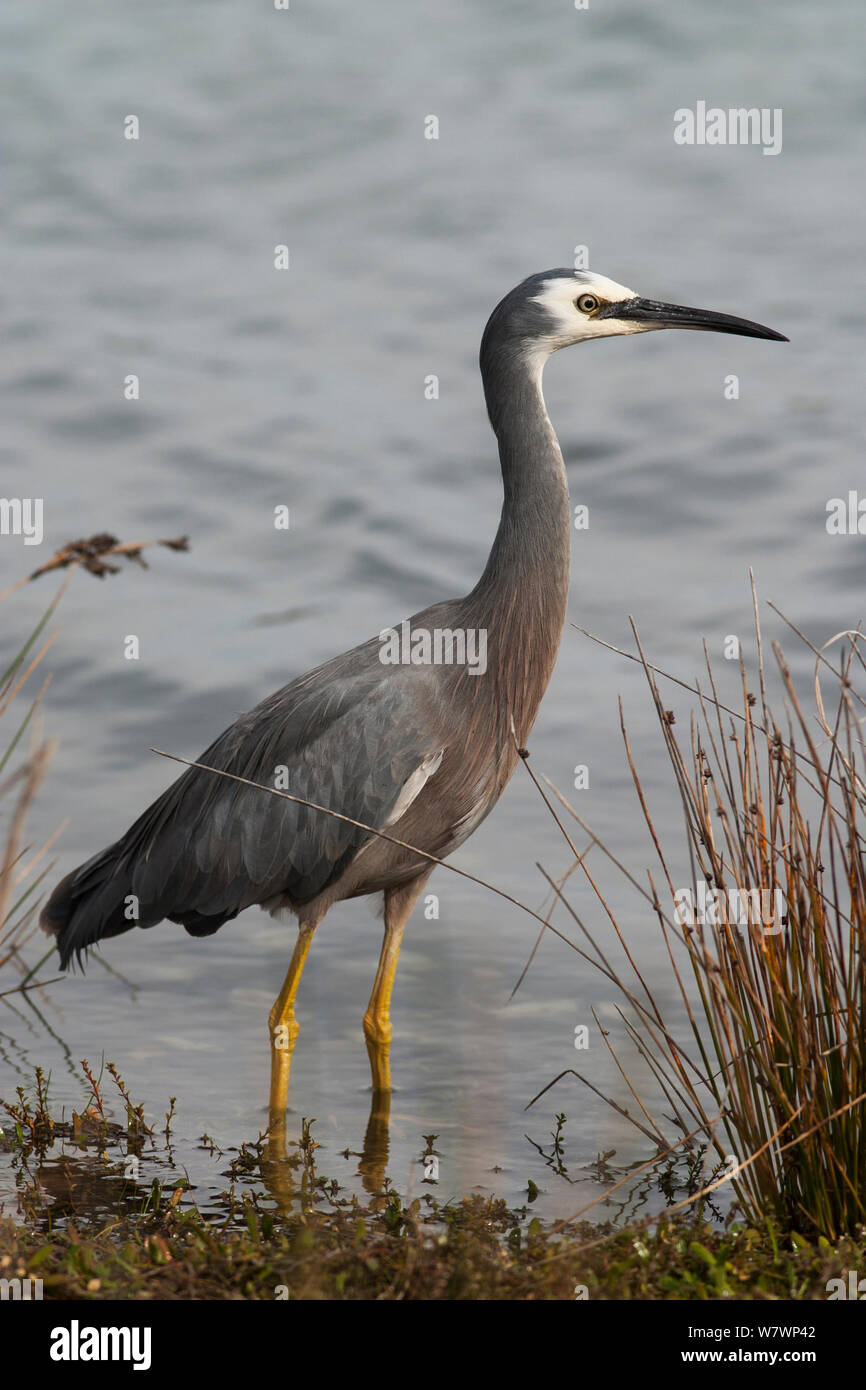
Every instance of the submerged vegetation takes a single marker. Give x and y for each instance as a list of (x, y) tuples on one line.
[(98, 1225)]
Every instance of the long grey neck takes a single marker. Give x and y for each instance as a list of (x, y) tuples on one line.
[(522, 595)]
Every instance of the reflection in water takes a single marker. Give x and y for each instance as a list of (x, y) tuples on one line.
[(374, 1159), (279, 1171), (94, 1174)]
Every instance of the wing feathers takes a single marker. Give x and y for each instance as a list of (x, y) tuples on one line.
[(209, 846)]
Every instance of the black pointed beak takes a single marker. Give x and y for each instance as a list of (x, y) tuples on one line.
[(656, 315)]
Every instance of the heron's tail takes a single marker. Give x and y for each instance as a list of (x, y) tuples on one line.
[(90, 904)]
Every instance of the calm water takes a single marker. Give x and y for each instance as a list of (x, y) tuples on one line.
[(307, 388)]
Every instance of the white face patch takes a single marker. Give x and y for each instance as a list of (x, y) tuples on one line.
[(568, 324)]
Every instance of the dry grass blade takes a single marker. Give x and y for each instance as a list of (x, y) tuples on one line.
[(16, 912)]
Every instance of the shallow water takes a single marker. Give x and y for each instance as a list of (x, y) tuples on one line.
[(306, 388)]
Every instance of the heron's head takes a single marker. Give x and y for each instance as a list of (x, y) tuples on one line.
[(560, 307)]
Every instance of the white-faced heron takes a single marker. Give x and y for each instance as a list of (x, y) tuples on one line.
[(417, 740)]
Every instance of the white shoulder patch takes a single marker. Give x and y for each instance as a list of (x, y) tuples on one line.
[(414, 784)]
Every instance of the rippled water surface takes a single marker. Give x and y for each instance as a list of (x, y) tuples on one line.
[(307, 388)]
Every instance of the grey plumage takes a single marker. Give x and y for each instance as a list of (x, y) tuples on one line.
[(432, 743)]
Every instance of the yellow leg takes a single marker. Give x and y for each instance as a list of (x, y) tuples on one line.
[(283, 1025), (378, 1029)]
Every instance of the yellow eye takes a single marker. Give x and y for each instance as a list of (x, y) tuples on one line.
[(587, 303)]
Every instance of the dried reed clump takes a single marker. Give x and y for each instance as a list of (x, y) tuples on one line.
[(774, 1075)]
